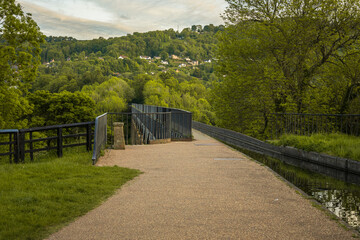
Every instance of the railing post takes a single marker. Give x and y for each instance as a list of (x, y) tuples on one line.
[(10, 145), (88, 137), (22, 146), (169, 124), (17, 147), (59, 142), (31, 148)]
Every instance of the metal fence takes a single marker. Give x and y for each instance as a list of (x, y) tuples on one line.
[(21, 144), (181, 120), (9, 142), (141, 128), (344, 169), (307, 124), (100, 136), (143, 125)]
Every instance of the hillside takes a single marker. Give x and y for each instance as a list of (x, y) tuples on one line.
[(166, 68)]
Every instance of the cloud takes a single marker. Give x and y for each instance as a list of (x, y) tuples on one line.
[(109, 18), (56, 24)]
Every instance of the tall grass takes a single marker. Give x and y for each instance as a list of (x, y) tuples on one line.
[(335, 144), (39, 198)]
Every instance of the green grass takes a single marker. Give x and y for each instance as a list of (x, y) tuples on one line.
[(334, 144), (36, 199)]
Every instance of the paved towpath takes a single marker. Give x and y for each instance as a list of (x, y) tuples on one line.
[(200, 190)]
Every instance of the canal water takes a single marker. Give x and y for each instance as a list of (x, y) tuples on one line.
[(341, 198)]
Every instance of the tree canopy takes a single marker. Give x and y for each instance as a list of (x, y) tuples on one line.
[(276, 56), (20, 39)]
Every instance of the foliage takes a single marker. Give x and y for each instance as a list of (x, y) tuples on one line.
[(19, 57), (114, 73), (281, 56), (335, 144), (37, 199), (189, 95), (60, 108), (112, 95)]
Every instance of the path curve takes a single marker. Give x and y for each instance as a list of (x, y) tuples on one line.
[(200, 190)]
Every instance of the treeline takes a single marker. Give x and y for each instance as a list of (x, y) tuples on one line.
[(293, 57), (58, 80), (196, 42), (78, 80)]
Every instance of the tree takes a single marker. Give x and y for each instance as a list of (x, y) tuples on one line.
[(301, 36), (278, 49), (112, 95), (164, 56), (60, 108), (20, 39)]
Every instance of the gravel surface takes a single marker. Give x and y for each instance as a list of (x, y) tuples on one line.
[(200, 190)]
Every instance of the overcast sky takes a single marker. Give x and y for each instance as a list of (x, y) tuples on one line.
[(88, 19)]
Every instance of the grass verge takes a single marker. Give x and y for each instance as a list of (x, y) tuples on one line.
[(36, 199), (335, 144)]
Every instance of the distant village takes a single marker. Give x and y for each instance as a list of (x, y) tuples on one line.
[(180, 62)]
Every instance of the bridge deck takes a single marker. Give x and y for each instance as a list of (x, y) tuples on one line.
[(200, 190)]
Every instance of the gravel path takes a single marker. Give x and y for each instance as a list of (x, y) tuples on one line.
[(200, 190)]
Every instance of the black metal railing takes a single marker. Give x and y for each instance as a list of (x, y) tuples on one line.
[(344, 169), (23, 143), (9, 142), (143, 125), (140, 128), (307, 124), (181, 120)]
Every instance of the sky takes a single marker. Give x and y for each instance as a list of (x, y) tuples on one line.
[(89, 19)]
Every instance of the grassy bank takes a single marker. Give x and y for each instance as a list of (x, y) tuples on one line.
[(335, 144), (37, 199)]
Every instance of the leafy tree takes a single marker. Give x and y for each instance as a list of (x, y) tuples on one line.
[(112, 95), (19, 58), (273, 54), (60, 108), (164, 56), (138, 84)]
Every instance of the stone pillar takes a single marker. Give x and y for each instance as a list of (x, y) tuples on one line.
[(119, 140)]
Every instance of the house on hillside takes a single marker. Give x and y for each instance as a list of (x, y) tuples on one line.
[(174, 57), (194, 63), (164, 62), (145, 57), (122, 57)]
